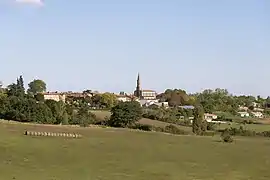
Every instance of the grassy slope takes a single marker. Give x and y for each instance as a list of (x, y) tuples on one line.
[(102, 114), (109, 154), (255, 127)]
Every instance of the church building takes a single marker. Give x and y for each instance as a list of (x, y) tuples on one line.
[(144, 94)]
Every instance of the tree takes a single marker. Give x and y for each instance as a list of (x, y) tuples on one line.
[(16, 89), (83, 117), (125, 114), (175, 97), (58, 109), (65, 119), (198, 126), (20, 86), (108, 100), (36, 86)]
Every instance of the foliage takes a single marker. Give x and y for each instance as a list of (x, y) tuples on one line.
[(198, 127), (108, 100), (125, 114), (217, 100), (36, 86), (174, 130), (226, 136), (176, 97), (65, 120), (83, 117), (143, 127), (211, 126)]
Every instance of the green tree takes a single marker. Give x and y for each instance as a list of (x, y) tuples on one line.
[(125, 114), (197, 125), (16, 89), (108, 100), (84, 117), (65, 119), (58, 109), (176, 97), (36, 86)]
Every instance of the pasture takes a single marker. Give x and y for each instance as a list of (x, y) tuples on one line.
[(254, 127), (120, 154)]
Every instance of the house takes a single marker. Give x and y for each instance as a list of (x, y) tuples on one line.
[(56, 96), (254, 104), (162, 104), (148, 102), (257, 114), (243, 114), (243, 108), (258, 109), (209, 117), (148, 94)]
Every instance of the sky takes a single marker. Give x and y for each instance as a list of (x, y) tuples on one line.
[(102, 45)]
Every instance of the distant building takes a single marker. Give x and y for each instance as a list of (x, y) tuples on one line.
[(210, 117), (258, 109), (243, 114), (56, 96), (144, 94), (243, 108), (126, 98), (257, 114)]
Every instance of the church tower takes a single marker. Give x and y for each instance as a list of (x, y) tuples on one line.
[(137, 92)]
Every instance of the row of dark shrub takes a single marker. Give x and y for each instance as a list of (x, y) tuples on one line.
[(244, 132), (172, 129)]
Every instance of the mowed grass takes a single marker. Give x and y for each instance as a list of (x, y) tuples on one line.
[(119, 154)]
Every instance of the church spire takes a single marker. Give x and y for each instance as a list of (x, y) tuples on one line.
[(137, 92), (138, 82)]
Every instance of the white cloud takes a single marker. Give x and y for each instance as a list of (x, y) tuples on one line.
[(34, 2)]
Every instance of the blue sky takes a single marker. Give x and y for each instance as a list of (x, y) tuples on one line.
[(102, 45)]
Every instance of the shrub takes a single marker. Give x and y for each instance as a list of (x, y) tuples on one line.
[(226, 136), (143, 127), (209, 133), (174, 130), (211, 126)]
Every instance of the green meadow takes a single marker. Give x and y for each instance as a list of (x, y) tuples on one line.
[(121, 154)]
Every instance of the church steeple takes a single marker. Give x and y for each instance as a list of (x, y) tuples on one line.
[(138, 82), (137, 92)]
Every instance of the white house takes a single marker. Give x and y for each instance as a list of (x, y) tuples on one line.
[(54, 96), (257, 114), (148, 102), (243, 114), (209, 117)]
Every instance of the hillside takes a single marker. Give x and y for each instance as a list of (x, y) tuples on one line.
[(114, 154)]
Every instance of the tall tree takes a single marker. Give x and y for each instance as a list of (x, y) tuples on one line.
[(197, 126), (36, 86), (125, 114), (20, 84)]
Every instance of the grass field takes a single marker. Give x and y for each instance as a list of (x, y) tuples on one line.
[(119, 154), (102, 114), (253, 127)]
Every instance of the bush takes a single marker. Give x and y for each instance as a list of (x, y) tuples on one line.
[(143, 127), (209, 133), (174, 130), (226, 136), (211, 126)]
